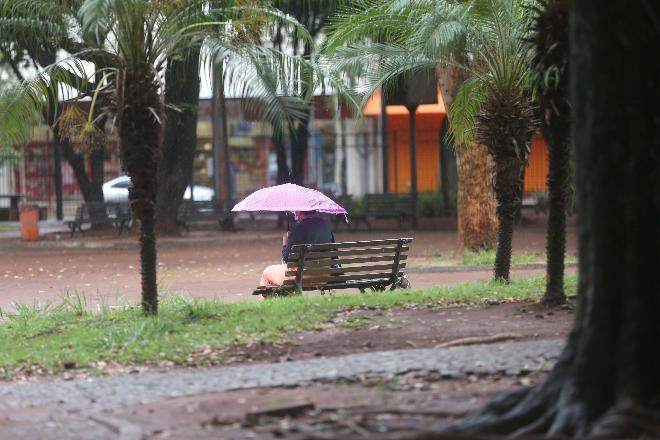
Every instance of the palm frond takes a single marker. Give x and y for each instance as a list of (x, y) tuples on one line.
[(462, 113)]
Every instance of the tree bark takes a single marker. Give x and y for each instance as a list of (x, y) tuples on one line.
[(299, 143), (607, 381), (505, 124), (180, 139), (475, 200), (300, 138), (508, 192), (91, 189), (140, 132)]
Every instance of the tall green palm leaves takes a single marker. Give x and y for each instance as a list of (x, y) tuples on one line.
[(139, 36)]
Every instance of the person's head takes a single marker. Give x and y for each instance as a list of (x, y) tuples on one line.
[(302, 215)]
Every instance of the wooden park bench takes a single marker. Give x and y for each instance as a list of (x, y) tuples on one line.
[(375, 265), (117, 214), (203, 211), (383, 206)]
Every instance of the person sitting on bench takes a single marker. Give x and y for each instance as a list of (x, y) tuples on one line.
[(309, 229)]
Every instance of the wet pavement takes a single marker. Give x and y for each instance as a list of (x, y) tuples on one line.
[(209, 264), (88, 408)]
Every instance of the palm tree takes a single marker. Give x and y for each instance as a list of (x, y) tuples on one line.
[(378, 41), (493, 107), (139, 36), (550, 42)]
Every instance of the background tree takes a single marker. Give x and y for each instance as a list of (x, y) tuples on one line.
[(182, 84), (140, 37), (313, 14), (550, 64), (378, 41), (34, 32)]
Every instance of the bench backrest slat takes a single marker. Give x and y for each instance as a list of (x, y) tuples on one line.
[(324, 262), (312, 254), (352, 244), (345, 269)]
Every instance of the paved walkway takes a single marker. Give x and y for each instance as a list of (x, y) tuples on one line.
[(75, 407), (203, 264)]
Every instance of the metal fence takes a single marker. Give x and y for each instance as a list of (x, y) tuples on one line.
[(28, 178)]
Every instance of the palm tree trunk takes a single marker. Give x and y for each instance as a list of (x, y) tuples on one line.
[(558, 154), (140, 131), (505, 124), (148, 260), (550, 39), (508, 192), (477, 221)]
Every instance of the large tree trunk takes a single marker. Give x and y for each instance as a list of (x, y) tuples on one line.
[(180, 139), (140, 132), (475, 201), (607, 382)]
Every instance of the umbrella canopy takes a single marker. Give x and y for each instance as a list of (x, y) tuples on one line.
[(289, 197)]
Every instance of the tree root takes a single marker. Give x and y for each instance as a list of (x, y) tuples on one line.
[(479, 340), (548, 410)]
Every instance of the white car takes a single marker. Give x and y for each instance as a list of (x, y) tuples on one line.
[(116, 190)]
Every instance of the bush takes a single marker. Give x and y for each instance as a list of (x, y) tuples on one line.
[(432, 204)]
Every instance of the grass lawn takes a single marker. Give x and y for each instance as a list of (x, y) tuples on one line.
[(486, 257), (200, 332)]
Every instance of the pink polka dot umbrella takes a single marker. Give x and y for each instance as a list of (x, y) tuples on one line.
[(289, 197)]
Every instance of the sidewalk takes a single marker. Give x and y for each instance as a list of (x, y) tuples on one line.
[(73, 409)]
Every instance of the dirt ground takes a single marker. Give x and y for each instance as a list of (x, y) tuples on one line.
[(346, 410), (225, 265), (416, 327)]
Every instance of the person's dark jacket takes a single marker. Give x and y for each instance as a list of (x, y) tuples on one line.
[(311, 230)]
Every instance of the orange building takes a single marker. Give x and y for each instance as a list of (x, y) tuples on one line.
[(428, 123)]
